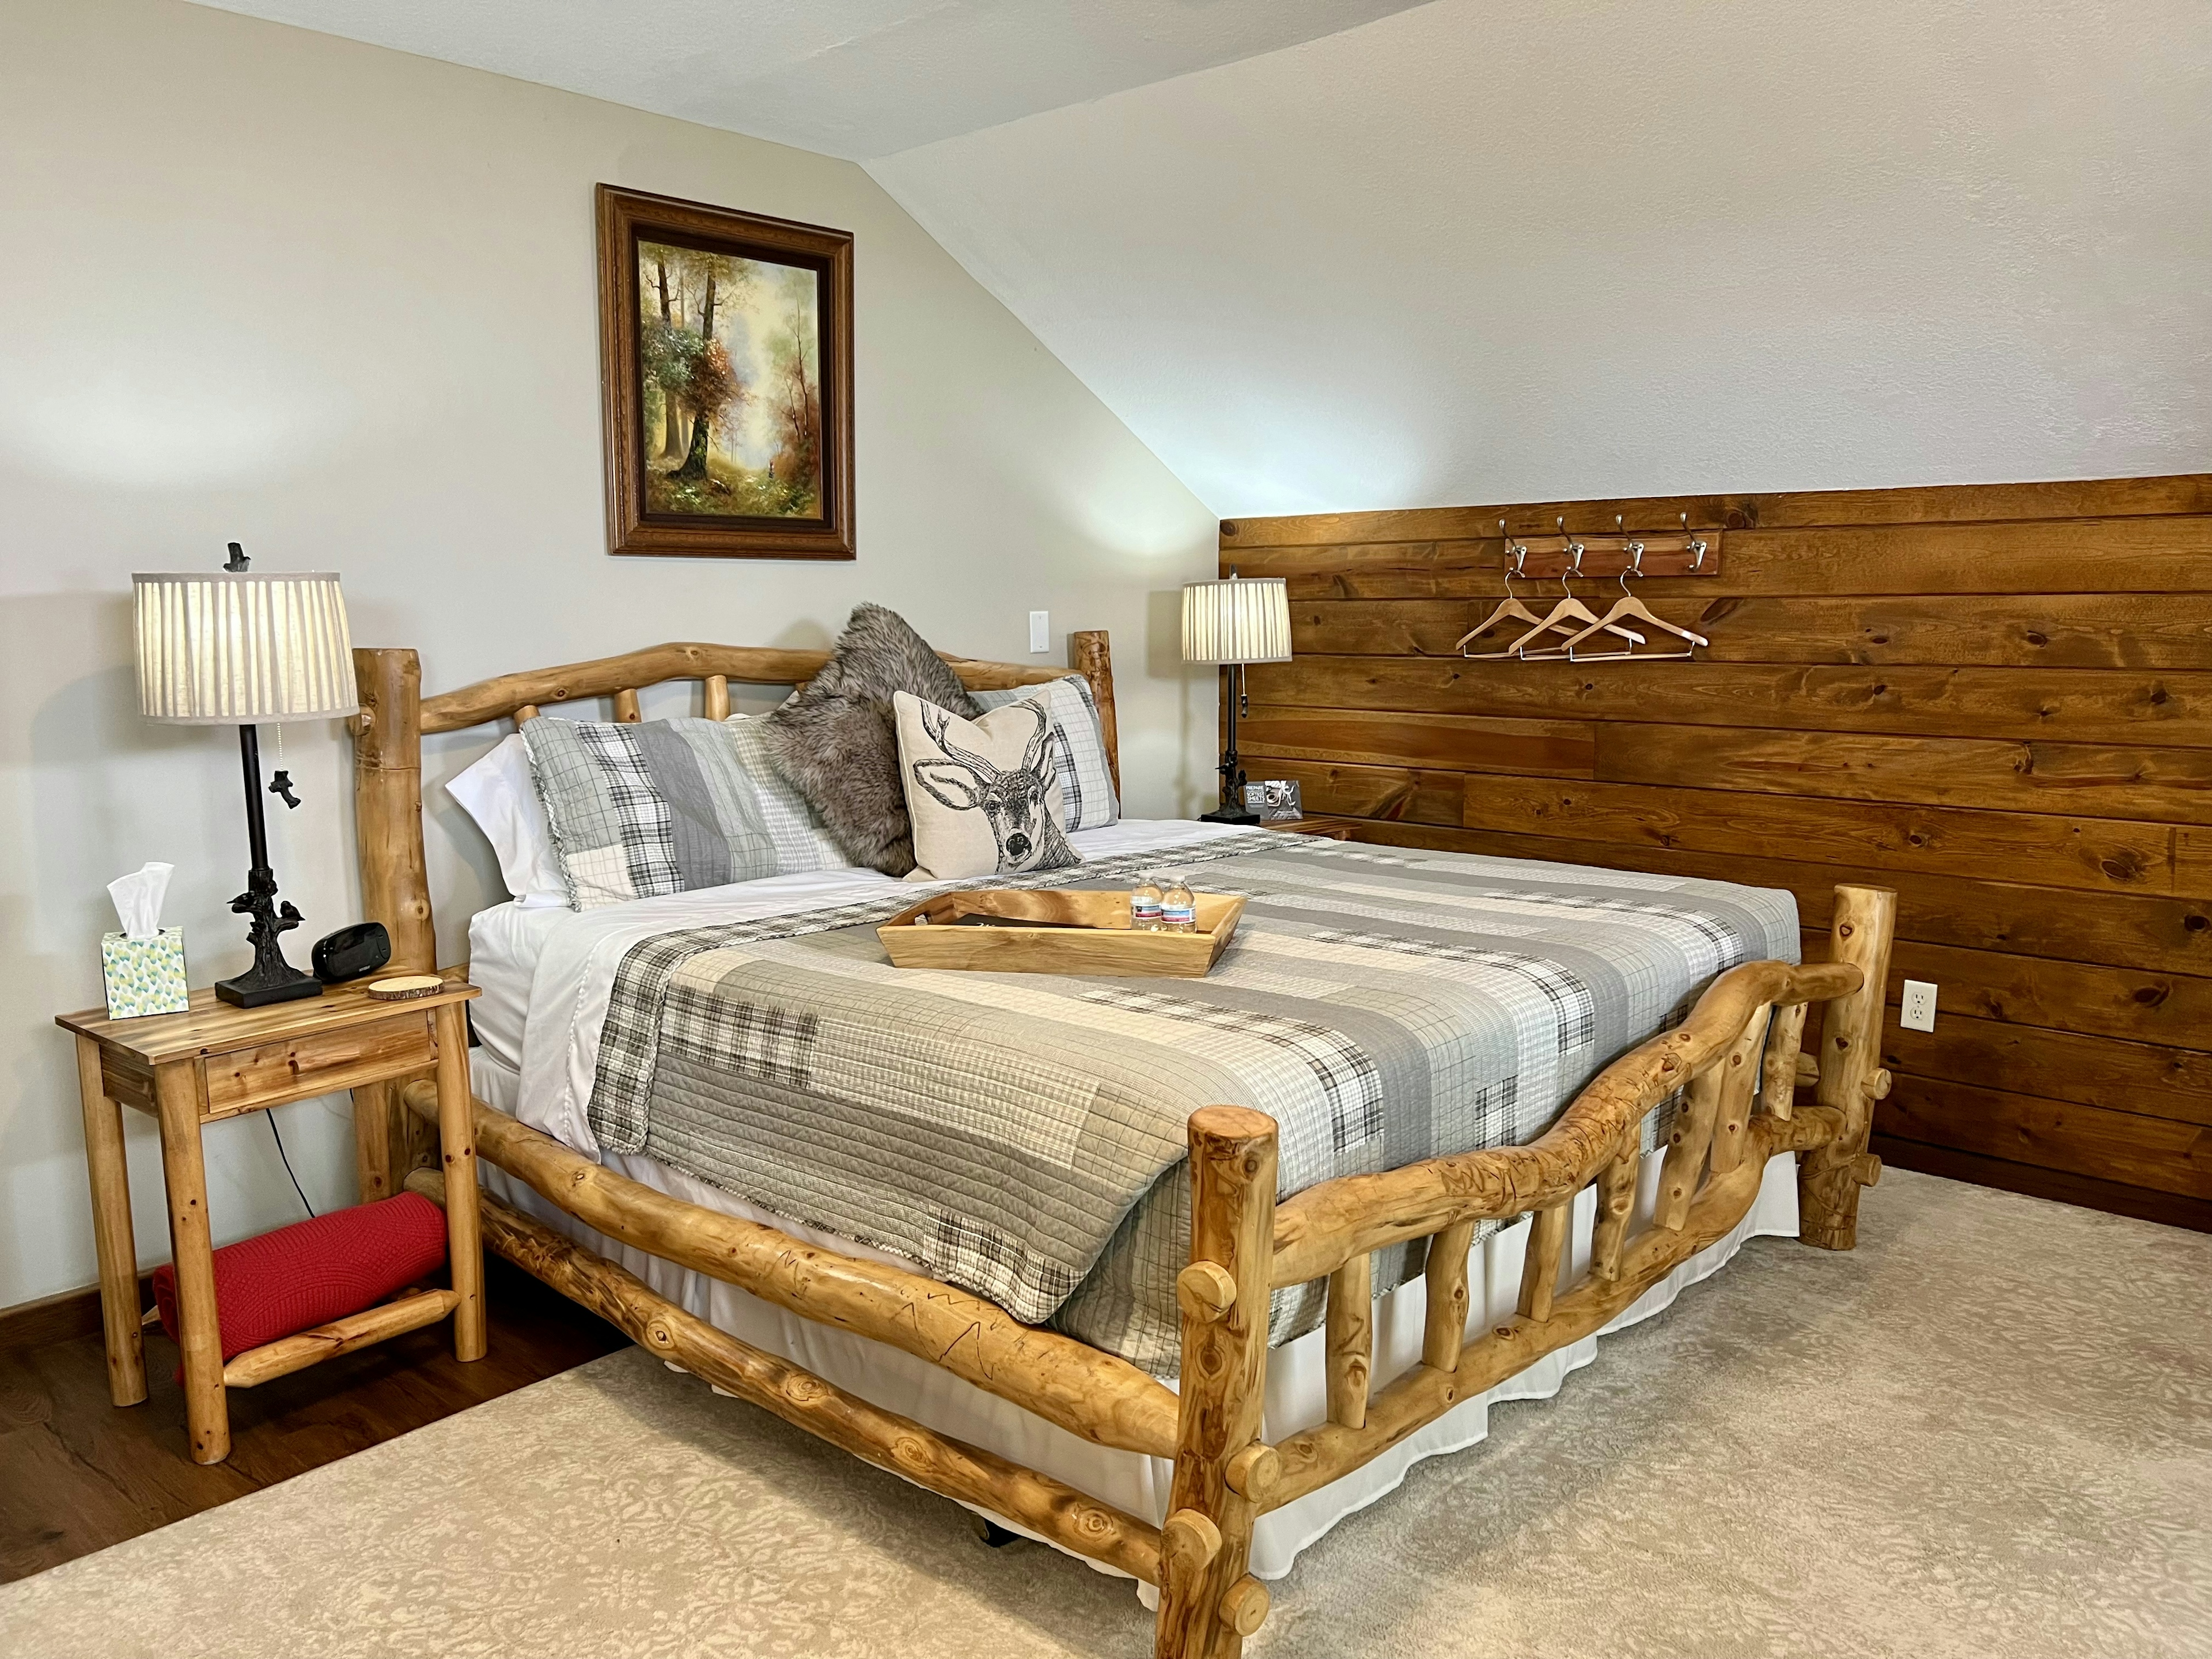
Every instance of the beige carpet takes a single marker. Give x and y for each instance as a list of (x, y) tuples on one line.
[(1988, 1431)]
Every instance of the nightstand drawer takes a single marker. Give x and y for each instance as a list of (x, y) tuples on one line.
[(318, 1063)]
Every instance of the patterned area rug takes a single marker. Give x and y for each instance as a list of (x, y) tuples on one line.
[(1989, 1431)]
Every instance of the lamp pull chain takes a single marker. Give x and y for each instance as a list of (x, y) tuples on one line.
[(280, 785)]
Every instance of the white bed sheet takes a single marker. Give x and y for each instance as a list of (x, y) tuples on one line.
[(547, 975)]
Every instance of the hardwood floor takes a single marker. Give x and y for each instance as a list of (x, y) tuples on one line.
[(76, 1475)]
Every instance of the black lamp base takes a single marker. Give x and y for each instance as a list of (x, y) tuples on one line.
[(254, 989), (1232, 809), (271, 979)]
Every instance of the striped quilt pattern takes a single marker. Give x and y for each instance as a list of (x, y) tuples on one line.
[(1021, 1135)]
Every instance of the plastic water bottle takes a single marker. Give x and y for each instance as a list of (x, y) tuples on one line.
[(1145, 906), (1178, 914)]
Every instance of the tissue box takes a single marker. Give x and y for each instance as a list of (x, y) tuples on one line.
[(144, 975)]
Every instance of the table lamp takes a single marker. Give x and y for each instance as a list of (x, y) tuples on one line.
[(1236, 622), (235, 648)]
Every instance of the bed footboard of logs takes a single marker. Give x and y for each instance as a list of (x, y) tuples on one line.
[(1735, 1061)]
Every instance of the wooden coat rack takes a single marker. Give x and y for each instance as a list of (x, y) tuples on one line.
[(1684, 552)]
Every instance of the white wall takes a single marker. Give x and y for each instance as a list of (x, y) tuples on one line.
[(1500, 250), (337, 303)]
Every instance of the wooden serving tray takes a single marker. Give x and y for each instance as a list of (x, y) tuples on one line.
[(1056, 931)]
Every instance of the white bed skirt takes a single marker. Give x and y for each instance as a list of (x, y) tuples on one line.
[(1297, 1372)]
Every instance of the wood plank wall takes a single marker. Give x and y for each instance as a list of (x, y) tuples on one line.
[(1996, 699)]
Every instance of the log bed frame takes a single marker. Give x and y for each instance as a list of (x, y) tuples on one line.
[(1243, 1242)]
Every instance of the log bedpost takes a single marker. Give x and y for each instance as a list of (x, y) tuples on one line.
[(395, 885), (1829, 1176), (1207, 1605), (387, 803), (1093, 655)]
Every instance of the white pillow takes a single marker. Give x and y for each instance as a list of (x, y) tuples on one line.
[(498, 792), (983, 794)]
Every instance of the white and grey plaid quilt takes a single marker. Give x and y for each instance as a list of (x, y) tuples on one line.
[(1022, 1135)]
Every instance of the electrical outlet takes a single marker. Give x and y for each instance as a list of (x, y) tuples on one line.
[(1917, 1013), (1039, 631)]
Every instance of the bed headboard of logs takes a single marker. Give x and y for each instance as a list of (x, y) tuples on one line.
[(395, 888)]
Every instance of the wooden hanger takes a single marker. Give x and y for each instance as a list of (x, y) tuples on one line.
[(1510, 609), (1630, 608), (1565, 616)]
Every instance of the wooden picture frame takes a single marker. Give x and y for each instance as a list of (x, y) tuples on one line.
[(785, 489)]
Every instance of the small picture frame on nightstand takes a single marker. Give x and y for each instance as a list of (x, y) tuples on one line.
[(1275, 799)]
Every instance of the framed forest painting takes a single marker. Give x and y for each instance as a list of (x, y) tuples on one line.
[(726, 352)]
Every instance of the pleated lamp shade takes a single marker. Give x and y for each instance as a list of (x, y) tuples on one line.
[(1244, 619), (216, 648)]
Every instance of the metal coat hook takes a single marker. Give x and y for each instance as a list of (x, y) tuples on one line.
[(1697, 545)]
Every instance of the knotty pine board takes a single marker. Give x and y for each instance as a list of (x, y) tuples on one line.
[(1997, 699), (2186, 493), (2037, 630), (2151, 707), (2158, 934), (2079, 556)]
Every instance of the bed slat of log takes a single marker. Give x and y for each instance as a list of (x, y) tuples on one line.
[(626, 708), (1311, 1460), (1739, 1083), (715, 689), (1045, 1506), (1103, 1398), (1444, 1331), (1616, 1206), (1777, 1085), (1326, 1225), (1686, 1147), (1350, 1340), (1539, 1269)]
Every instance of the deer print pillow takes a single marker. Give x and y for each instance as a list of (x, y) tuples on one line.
[(983, 794)]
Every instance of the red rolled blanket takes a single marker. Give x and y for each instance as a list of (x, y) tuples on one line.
[(312, 1272)]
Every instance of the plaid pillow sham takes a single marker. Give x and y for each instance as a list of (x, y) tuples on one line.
[(640, 809), (1078, 746)]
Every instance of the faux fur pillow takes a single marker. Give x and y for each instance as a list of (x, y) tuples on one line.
[(834, 741), (984, 794)]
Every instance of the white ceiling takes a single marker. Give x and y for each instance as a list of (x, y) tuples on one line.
[(1500, 250), (856, 78), (1336, 254)]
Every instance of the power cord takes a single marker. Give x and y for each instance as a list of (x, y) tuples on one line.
[(296, 1187)]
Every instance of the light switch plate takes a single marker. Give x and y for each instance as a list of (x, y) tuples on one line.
[(1916, 1011), (1039, 631)]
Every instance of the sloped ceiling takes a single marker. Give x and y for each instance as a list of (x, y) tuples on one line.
[(1517, 251), (854, 78), (1337, 254)]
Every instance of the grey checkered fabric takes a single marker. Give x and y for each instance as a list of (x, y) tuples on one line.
[(1078, 747), (1022, 1135), (666, 806)]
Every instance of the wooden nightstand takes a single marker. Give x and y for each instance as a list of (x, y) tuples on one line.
[(1328, 829), (215, 1061)]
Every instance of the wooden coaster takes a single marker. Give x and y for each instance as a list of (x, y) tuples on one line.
[(406, 987)]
